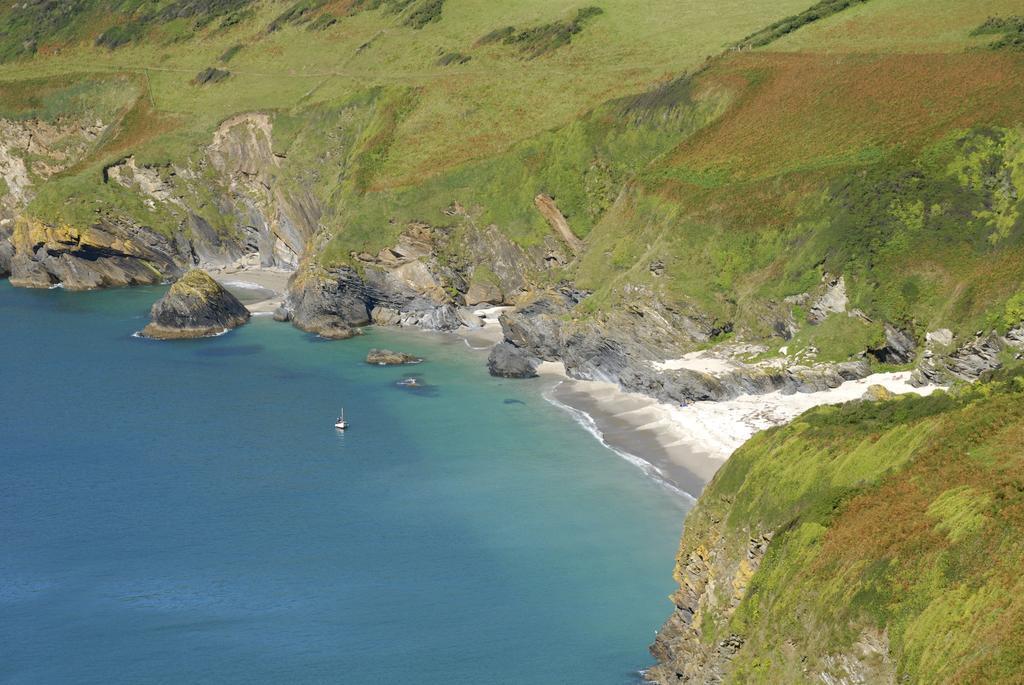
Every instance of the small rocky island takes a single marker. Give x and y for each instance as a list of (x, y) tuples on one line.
[(196, 306), (389, 358)]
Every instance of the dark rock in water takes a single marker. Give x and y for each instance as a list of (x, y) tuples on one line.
[(229, 351), (389, 358), (418, 386), (196, 306), (512, 401), (899, 348), (509, 361)]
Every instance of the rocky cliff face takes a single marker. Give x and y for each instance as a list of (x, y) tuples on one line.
[(431, 278), (233, 205), (196, 306)]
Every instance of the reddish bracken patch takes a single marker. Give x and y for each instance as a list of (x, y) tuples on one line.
[(807, 110)]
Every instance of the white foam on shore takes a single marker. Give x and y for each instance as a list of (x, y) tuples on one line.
[(138, 334), (478, 349), (587, 422), (247, 285)]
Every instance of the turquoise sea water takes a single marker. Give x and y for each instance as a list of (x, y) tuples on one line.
[(185, 512)]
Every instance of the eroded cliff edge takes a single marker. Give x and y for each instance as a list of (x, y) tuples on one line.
[(874, 542)]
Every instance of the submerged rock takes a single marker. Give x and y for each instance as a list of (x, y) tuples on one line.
[(329, 327), (509, 361), (195, 307), (390, 358)]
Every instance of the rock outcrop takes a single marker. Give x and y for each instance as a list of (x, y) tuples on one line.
[(108, 254), (621, 351), (327, 303), (390, 358), (232, 203), (899, 348), (196, 306), (832, 300), (508, 361), (967, 363), (877, 393)]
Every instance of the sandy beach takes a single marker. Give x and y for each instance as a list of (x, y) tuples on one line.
[(489, 334), (685, 446), (260, 290)]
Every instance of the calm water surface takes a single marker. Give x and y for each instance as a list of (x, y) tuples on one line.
[(185, 512)]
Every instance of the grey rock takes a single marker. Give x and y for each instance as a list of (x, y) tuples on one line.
[(6, 253), (329, 304), (943, 337), (195, 306), (482, 292), (28, 273), (899, 347), (537, 326), (469, 319), (968, 363), (833, 300), (329, 327), (509, 361), (1015, 337)]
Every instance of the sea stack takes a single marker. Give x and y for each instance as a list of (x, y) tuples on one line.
[(195, 307)]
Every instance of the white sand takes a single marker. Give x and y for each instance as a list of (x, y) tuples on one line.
[(720, 427), (270, 282), (490, 333), (687, 445), (696, 361)]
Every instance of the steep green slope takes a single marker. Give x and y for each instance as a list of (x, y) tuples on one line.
[(871, 541), (728, 186)]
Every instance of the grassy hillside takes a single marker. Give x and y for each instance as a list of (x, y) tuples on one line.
[(892, 523), (876, 139)]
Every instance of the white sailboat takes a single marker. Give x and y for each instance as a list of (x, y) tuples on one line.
[(341, 424)]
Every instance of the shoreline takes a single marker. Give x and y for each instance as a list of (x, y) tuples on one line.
[(679, 447), (684, 447), (261, 290)]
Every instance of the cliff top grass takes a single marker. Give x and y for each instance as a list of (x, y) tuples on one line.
[(897, 518), (462, 113)]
